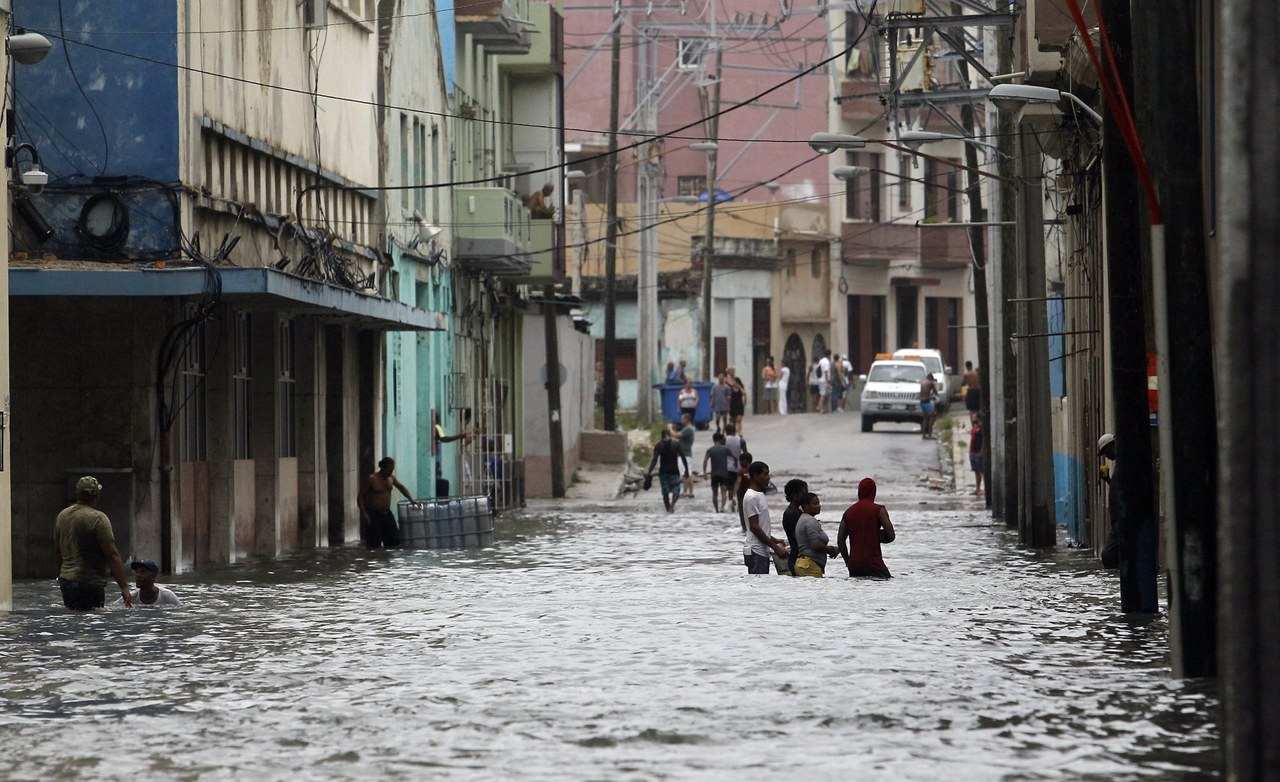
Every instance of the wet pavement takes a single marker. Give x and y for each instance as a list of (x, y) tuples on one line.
[(603, 639)]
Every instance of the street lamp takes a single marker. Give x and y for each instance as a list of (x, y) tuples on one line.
[(826, 143), (1011, 97), (845, 173)]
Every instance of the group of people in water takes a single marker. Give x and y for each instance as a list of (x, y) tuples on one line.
[(805, 550), (740, 482)]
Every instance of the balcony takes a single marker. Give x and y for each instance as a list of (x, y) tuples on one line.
[(501, 26), (546, 52), (492, 231), (547, 251), (935, 245)]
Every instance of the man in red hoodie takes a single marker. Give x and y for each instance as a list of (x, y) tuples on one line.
[(864, 526)]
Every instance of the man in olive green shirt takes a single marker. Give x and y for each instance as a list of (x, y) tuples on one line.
[(85, 550)]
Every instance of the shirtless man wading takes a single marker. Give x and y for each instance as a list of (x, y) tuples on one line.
[(374, 501)]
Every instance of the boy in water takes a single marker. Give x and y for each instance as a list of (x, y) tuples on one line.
[(718, 458)]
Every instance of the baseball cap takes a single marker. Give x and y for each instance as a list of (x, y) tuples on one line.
[(145, 564), (1105, 440), (88, 485)]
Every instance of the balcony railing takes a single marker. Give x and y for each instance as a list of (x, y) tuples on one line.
[(501, 26), (937, 244), (492, 230)]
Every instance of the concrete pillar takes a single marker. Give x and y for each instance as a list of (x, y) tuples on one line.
[(1035, 434), (1248, 368), (313, 511), (263, 434)]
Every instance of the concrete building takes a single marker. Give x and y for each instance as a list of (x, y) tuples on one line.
[(200, 295), (680, 65)]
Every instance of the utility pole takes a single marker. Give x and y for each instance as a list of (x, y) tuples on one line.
[(647, 198), (1133, 482), (977, 239), (1005, 422), (555, 429), (709, 241), (611, 234), (1174, 157), (1036, 526)]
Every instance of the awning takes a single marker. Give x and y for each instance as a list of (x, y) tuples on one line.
[(263, 288)]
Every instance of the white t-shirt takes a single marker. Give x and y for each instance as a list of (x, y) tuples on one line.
[(824, 369), (753, 504), (165, 598)]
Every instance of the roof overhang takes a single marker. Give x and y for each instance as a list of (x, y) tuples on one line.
[(251, 288)]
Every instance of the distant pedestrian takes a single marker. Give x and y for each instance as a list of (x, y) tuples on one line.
[(824, 381), (681, 373), (740, 486), (148, 593), (770, 377), (846, 367), (687, 399), (837, 383), (759, 544), (864, 526), (374, 502), (815, 546), (84, 551), (737, 398), (719, 459), (784, 381), (928, 405), (972, 383), (793, 490), (671, 374), (815, 385), (975, 452), (720, 402), (685, 435), (668, 456), (735, 442)]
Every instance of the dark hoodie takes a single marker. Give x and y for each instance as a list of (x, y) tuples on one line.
[(862, 523)]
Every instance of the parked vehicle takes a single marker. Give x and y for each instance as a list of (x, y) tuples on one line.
[(936, 366), (891, 392)]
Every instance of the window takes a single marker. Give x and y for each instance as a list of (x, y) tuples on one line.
[(691, 185), (419, 166), (862, 193), (195, 433), (287, 390), (405, 195), (242, 379), (942, 191), (624, 357), (689, 53)]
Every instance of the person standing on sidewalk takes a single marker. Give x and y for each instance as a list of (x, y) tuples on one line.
[(84, 550), (668, 455), (770, 377), (784, 382), (972, 383), (720, 402), (759, 544), (864, 526), (975, 452), (687, 399)]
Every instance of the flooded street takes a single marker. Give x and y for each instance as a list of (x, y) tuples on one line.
[(607, 640)]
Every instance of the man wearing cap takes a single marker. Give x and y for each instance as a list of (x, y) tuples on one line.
[(147, 593), (85, 551)]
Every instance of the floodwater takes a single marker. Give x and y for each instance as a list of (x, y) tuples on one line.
[(607, 645)]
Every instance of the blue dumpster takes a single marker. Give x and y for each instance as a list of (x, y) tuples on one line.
[(702, 415)]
